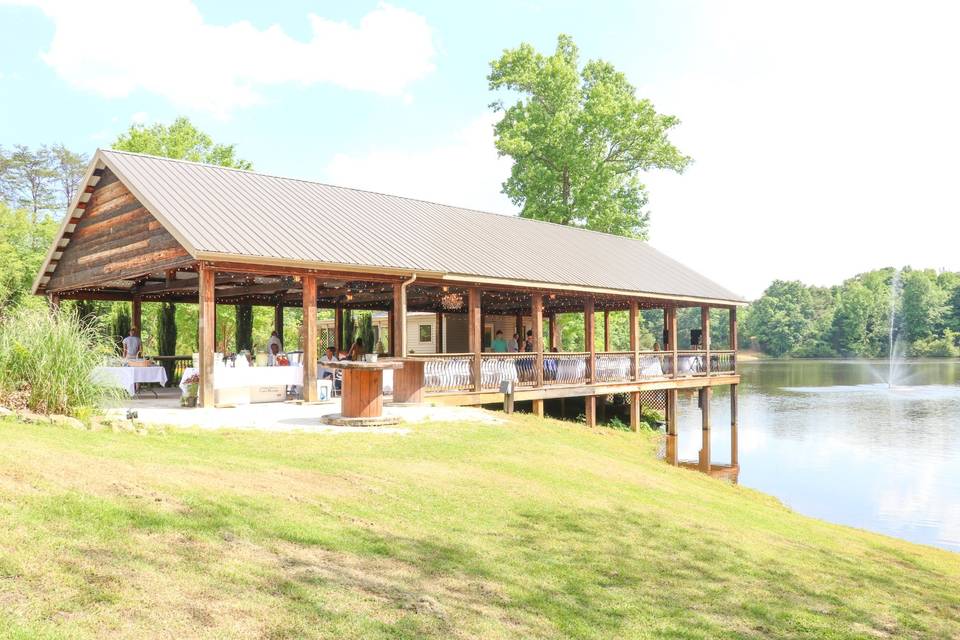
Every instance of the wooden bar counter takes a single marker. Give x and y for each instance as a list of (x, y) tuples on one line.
[(362, 398)]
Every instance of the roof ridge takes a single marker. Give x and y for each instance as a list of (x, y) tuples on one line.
[(377, 193)]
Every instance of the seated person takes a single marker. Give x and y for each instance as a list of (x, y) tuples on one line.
[(514, 345), (329, 374), (274, 340), (131, 345), (499, 345), (529, 346), (273, 353), (357, 351)]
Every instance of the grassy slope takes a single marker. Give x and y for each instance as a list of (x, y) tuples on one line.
[(529, 529)]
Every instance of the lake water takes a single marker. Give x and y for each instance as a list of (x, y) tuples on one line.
[(832, 441)]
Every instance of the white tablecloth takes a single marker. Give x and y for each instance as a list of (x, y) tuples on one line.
[(235, 377), (129, 377)]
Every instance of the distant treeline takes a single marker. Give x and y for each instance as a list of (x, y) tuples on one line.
[(854, 319)]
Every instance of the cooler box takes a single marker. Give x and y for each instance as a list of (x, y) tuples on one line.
[(268, 393), (231, 395)]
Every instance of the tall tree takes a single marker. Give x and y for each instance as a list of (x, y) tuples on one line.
[(180, 140), (579, 139), (33, 180), (68, 168)]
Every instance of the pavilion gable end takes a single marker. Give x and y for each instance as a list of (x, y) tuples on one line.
[(115, 238)]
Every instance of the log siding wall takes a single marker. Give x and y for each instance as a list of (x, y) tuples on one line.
[(116, 238)]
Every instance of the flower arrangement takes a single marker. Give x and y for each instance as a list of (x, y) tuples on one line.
[(189, 399)]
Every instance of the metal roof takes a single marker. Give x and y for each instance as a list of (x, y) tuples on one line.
[(222, 213)]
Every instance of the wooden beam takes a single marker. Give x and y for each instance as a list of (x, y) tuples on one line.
[(338, 328), (671, 410), (606, 330), (734, 443), (398, 328), (439, 345), (705, 395), (207, 334), (278, 320), (635, 338), (554, 334), (309, 339), (589, 338), (136, 314), (705, 336), (474, 334)]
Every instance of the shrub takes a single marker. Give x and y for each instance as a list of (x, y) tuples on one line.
[(46, 359), (945, 347)]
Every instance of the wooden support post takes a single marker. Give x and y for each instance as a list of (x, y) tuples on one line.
[(589, 339), (475, 335), (338, 328), (439, 347), (207, 331), (672, 450), (399, 318), (278, 320), (391, 346), (520, 327), (705, 395), (635, 338), (536, 316), (309, 338), (606, 330), (734, 338), (554, 334), (672, 329), (136, 314), (636, 411), (734, 444), (55, 301), (590, 410), (705, 337)]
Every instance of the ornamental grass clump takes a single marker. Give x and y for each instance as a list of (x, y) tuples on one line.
[(46, 359)]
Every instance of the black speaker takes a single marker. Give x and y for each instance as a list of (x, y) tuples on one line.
[(695, 336)]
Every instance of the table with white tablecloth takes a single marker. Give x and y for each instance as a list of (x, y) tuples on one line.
[(129, 377), (232, 378)]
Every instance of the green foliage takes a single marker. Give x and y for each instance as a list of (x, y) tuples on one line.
[(23, 245), (180, 140), (46, 359), (120, 323), (244, 319), (853, 319), (365, 332), (579, 139)]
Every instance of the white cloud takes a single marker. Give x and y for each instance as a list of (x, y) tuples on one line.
[(140, 117), (465, 172), (166, 48), (824, 136)]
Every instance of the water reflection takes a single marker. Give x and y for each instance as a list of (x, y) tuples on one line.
[(831, 441)]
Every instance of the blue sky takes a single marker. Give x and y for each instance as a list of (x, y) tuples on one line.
[(818, 131)]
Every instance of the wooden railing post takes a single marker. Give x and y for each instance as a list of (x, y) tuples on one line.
[(705, 336), (475, 335), (309, 338), (206, 332)]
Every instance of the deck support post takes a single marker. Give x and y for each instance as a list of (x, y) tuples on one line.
[(671, 410), (734, 444), (705, 336), (475, 335), (207, 329), (589, 339), (398, 319), (136, 314), (704, 462), (338, 328), (55, 301), (309, 338), (278, 320), (636, 411)]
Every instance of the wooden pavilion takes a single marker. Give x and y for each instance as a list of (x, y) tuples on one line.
[(144, 229)]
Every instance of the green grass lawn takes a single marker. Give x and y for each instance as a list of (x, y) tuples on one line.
[(530, 529)]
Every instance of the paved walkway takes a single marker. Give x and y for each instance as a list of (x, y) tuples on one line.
[(284, 416)]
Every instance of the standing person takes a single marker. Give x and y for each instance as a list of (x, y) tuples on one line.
[(131, 345), (528, 346), (514, 345), (499, 345)]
